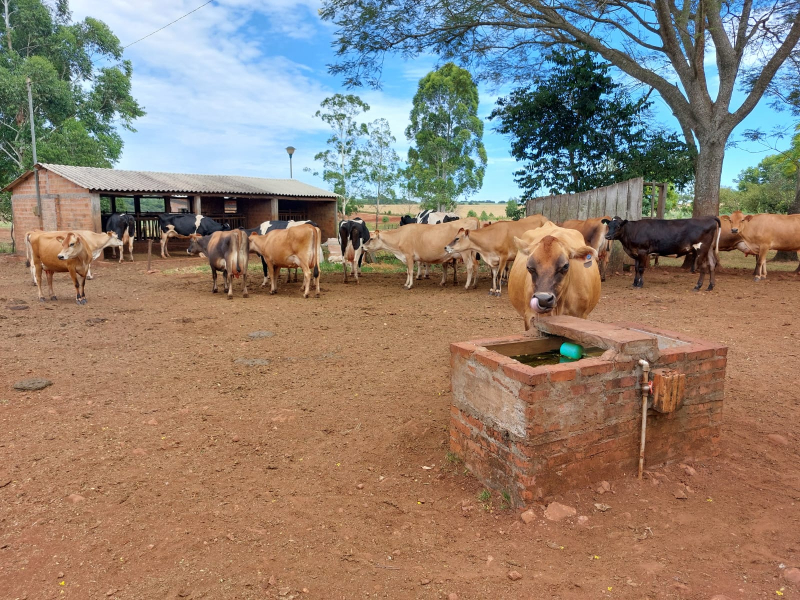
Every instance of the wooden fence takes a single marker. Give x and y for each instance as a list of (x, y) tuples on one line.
[(618, 200), (149, 228)]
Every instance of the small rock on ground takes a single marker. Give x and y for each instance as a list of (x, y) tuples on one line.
[(688, 470), (681, 495), (514, 575), (792, 576), (33, 384), (257, 335), (603, 487), (528, 516), (252, 362), (557, 512), (452, 596), (778, 439)]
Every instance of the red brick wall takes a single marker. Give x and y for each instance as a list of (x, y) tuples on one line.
[(257, 211), (323, 213), (558, 427), (65, 205)]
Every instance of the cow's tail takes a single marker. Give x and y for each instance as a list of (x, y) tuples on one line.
[(316, 251), (242, 249), (719, 232), (28, 250)]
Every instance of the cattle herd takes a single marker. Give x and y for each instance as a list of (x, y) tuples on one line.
[(556, 269)]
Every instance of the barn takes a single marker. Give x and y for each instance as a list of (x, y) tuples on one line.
[(80, 197)]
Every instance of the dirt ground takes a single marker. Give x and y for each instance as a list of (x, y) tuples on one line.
[(175, 456)]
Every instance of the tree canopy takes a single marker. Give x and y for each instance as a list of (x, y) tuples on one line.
[(447, 159), (81, 88), (665, 44), (575, 129), (380, 162)]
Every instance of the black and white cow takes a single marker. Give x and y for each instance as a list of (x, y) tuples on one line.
[(268, 226), (124, 225), (353, 234), (429, 217), (185, 226)]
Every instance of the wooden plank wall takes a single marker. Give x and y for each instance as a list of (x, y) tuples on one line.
[(618, 200)]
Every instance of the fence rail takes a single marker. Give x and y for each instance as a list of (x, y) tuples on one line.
[(621, 199), (149, 228)]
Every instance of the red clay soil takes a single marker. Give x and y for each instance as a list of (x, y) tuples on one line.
[(174, 456)]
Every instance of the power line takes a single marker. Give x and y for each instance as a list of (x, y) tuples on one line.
[(168, 24)]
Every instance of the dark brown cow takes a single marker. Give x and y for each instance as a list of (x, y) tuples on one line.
[(226, 251), (594, 234)]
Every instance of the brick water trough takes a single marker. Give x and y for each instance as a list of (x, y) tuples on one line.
[(537, 431)]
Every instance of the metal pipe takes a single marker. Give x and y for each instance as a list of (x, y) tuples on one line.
[(35, 160), (645, 394)]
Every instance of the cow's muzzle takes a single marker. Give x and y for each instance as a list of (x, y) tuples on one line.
[(543, 302), (60, 257), (734, 230)]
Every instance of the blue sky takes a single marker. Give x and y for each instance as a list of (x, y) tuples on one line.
[(229, 87)]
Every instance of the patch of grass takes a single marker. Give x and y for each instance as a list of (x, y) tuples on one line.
[(485, 496), (453, 458), (6, 248), (736, 260), (506, 504)]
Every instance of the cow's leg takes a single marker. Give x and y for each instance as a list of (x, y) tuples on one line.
[(308, 275), (274, 272), (82, 286), (213, 280), (164, 238), (455, 271), (427, 271), (639, 264), (359, 256), (702, 277), (229, 283), (409, 272), (74, 275), (501, 269), (419, 270), (344, 267), (49, 275), (130, 247), (761, 264), (495, 277), (36, 269), (443, 282), (266, 272)]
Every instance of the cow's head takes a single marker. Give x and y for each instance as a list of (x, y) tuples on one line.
[(615, 226), (71, 245), (738, 221), (459, 243), (406, 219), (375, 242), (548, 262), (194, 245)]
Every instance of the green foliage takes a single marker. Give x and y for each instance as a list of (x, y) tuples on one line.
[(767, 187), (380, 162), (342, 161), (514, 209), (472, 213), (81, 89), (485, 495), (575, 129), (447, 159), (484, 216)]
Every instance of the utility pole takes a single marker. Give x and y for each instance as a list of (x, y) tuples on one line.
[(35, 160)]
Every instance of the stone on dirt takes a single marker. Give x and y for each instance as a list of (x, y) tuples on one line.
[(75, 498), (688, 470), (792, 576), (528, 516), (32, 385), (681, 495), (556, 511), (778, 439), (252, 362), (514, 575), (452, 596), (257, 335), (603, 487)]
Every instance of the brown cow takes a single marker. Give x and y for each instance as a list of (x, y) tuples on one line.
[(555, 272), (288, 248), (495, 244), (764, 232), (61, 252), (594, 233), (226, 251), (424, 244)]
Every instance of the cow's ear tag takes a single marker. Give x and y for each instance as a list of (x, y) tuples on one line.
[(588, 262)]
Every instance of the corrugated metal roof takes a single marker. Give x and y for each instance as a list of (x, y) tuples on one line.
[(149, 182)]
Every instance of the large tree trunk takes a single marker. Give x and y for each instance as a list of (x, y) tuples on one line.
[(794, 208), (708, 173)]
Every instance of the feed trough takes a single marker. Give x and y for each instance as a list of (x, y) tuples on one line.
[(536, 431)]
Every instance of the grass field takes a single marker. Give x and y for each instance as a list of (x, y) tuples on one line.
[(499, 210)]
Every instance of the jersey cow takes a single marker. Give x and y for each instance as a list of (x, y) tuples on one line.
[(555, 272), (226, 251), (100, 241), (594, 234), (425, 244), (353, 234), (124, 225), (185, 226), (764, 232), (62, 252), (289, 248), (669, 237), (495, 244), (268, 226)]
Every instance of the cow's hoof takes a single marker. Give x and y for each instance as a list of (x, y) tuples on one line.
[(230, 297), (272, 293), (213, 291), (696, 288), (53, 298), (42, 299), (78, 301), (90, 277), (756, 279), (245, 295), (709, 288), (602, 279)]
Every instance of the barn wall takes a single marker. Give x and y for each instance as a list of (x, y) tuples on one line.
[(212, 206), (65, 205), (257, 210), (323, 213)]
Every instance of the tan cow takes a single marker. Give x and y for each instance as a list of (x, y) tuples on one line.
[(555, 272), (288, 248), (594, 234), (61, 252), (425, 244), (495, 244), (226, 251), (98, 240), (764, 232)]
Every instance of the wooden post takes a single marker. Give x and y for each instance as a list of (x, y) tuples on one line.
[(198, 205), (273, 210), (113, 204), (167, 206), (137, 210), (149, 253), (662, 200)]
